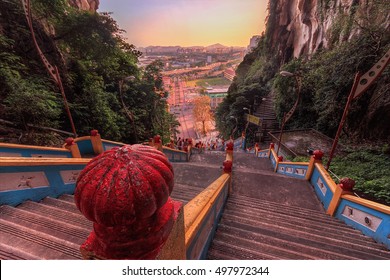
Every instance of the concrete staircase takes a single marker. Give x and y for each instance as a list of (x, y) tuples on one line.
[(50, 229), (282, 220), (194, 176), (266, 112), (55, 229), (268, 216)]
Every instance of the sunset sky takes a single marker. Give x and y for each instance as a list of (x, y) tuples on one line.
[(188, 22)]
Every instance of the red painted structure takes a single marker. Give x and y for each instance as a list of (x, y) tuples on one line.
[(125, 192)]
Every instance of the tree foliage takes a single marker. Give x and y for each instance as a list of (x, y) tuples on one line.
[(93, 58), (202, 112)]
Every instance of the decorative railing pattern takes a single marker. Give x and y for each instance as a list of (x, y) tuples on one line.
[(175, 155), (373, 219), (323, 185), (15, 150), (296, 169), (263, 153), (108, 145), (35, 178)]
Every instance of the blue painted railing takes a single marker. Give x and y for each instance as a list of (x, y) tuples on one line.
[(297, 170), (176, 155), (15, 150), (372, 221), (108, 145), (323, 186), (33, 179)]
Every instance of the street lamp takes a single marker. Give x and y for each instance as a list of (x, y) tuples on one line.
[(287, 116), (129, 114), (247, 109)]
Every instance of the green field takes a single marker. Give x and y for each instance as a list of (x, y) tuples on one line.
[(209, 82)]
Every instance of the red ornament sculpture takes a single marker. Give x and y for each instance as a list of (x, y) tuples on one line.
[(94, 132), (69, 141), (125, 192), (227, 166), (347, 184), (318, 154), (157, 139)]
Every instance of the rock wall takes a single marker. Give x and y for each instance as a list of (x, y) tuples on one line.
[(86, 5), (301, 27)]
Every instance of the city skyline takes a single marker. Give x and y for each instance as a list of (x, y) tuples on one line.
[(188, 23)]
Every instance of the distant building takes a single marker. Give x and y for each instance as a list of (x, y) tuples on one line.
[(216, 96)]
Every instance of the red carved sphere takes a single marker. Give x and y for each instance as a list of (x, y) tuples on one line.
[(318, 154), (347, 184), (94, 132), (69, 141), (229, 146), (157, 139), (227, 166), (124, 184)]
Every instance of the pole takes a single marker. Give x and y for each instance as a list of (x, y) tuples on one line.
[(53, 70), (281, 133), (343, 118), (65, 102)]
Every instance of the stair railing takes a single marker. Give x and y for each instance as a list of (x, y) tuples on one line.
[(338, 199)]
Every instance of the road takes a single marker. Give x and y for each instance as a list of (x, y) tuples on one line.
[(186, 120)]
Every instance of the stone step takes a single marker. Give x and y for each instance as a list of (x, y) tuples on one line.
[(229, 250), (61, 204), (349, 250), (9, 252), (296, 216), (254, 205), (73, 218), (38, 244), (46, 225), (185, 193), (307, 227), (277, 246), (67, 197), (196, 175), (299, 219)]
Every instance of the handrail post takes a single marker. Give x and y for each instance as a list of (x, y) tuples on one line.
[(315, 158), (345, 186), (96, 141), (72, 147)]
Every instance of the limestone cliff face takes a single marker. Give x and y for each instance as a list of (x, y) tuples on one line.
[(86, 5), (301, 27)]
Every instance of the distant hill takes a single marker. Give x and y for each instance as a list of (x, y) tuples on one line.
[(216, 46), (172, 49)]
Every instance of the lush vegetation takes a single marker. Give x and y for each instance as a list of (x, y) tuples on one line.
[(327, 78), (95, 63), (211, 82), (369, 167)]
